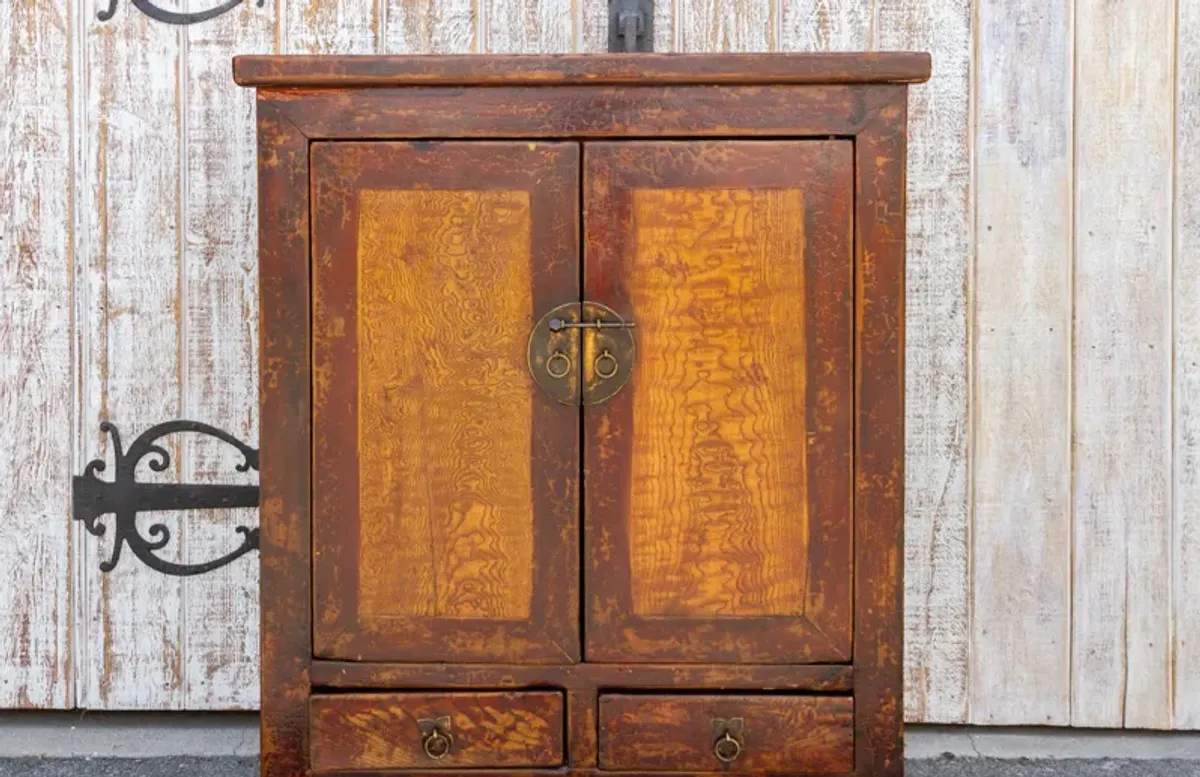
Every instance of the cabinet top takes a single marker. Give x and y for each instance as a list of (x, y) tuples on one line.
[(575, 69)]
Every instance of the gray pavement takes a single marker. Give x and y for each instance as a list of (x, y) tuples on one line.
[(937, 767)]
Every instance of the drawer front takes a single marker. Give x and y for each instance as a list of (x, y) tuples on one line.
[(810, 734), (435, 730)]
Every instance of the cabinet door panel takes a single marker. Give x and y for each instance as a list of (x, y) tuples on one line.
[(718, 482), (445, 481)]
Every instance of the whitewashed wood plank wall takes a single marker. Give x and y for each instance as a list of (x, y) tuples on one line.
[(1053, 527)]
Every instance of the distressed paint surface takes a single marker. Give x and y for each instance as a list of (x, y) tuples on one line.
[(219, 336), (724, 25), (1186, 560), (432, 27), (338, 26), (940, 262), (531, 26), (444, 404), (1120, 673), (1020, 667), (131, 360), (826, 25), (35, 355)]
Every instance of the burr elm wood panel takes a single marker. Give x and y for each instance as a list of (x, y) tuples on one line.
[(445, 479), (381, 731), (718, 499), (780, 734)]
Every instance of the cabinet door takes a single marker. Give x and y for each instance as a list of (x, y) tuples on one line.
[(445, 481), (718, 482)]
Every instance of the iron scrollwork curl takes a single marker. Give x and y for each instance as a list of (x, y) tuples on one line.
[(124, 497), (172, 17)]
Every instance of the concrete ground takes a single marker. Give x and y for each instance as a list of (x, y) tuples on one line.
[(87, 744), (935, 767)]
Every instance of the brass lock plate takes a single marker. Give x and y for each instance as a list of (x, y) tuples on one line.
[(581, 353)]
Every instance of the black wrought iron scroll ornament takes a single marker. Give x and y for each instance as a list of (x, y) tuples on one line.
[(124, 497), (173, 17)]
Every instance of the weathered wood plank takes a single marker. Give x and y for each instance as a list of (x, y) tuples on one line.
[(723, 25), (334, 26), (35, 366), (220, 350), (130, 309), (432, 27), (529, 26), (826, 25), (940, 258), (1122, 398), (591, 23), (1187, 372), (1021, 537), (666, 32)]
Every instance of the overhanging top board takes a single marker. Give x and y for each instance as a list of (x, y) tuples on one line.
[(577, 69)]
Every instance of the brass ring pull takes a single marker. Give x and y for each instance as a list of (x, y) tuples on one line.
[(610, 365), (726, 748), (437, 744), (564, 365)]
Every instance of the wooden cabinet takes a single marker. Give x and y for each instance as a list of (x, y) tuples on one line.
[(582, 412)]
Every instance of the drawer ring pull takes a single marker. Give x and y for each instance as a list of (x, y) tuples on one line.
[(728, 745), (727, 749), (436, 739)]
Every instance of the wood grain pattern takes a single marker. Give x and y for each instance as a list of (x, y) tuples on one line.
[(36, 368), (434, 432), (285, 446), (1186, 558), (1020, 667), (825, 678), (595, 69), (444, 404), (431, 27), (591, 28), (1122, 397), (940, 261), (785, 734), (577, 111), (380, 731), (705, 245), (725, 25), (530, 26), (330, 27), (130, 355), (718, 514), (826, 25), (879, 461), (219, 334)]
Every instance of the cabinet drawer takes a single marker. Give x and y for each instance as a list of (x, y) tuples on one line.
[(811, 734), (435, 730)]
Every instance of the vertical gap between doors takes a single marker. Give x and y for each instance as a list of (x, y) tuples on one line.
[(581, 231)]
